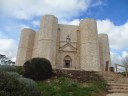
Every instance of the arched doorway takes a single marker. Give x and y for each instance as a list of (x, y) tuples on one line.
[(67, 61)]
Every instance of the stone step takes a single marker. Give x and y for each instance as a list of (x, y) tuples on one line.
[(118, 87), (117, 94), (118, 84), (119, 79), (112, 75), (112, 79), (124, 82), (117, 91)]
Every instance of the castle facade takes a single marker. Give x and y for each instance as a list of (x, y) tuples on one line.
[(66, 46)]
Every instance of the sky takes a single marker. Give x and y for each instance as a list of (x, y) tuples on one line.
[(111, 17)]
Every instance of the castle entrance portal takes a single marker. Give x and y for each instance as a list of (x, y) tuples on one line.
[(67, 62)]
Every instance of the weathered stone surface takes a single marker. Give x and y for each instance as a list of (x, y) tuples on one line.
[(25, 46), (118, 94), (85, 49), (104, 51)]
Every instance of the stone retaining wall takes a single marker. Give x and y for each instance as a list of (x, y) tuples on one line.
[(80, 75)]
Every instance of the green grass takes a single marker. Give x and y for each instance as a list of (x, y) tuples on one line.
[(63, 86)]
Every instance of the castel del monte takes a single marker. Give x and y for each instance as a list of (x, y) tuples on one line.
[(66, 46)]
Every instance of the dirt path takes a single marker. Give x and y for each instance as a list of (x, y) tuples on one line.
[(118, 94)]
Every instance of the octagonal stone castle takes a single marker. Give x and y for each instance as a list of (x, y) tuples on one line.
[(66, 46)]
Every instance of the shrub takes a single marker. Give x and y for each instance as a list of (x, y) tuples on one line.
[(38, 69), (10, 86), (30, 84), (8, 68), (3, 93), (20, 69), (14, 74)]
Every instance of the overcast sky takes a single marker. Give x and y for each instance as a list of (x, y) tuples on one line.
[(111, 17)]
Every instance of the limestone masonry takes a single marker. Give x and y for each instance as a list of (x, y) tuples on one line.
[(66, 46)]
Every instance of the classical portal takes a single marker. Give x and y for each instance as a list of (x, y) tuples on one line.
[(67, 62), (66, 46)]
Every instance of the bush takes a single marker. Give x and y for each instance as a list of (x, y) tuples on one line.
[(14, 74), (3, 93), (10, 86), (8, 68), (20, 70), (30, 84), (38, 69)]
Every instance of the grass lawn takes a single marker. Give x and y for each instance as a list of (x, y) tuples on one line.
[(62, 86)]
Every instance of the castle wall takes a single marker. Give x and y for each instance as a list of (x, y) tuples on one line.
[(47, 37), (89, 48), (64, 31), (25, 46), (104, 51), (35, 47)]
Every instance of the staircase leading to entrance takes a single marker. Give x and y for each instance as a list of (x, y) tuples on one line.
[(116, 83)]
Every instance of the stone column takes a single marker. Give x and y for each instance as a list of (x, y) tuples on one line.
[(89, 48)]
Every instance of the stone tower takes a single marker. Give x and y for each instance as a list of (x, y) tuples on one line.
[(25, 46), (46, 39), (105, 60), (66, 46), (89, 46)]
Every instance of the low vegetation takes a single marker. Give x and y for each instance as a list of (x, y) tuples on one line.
[(13, 83), (62, 86), (8, 68)]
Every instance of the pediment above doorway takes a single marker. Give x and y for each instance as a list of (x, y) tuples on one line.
[(68, 47)]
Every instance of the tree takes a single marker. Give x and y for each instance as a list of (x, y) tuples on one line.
[(5, 60), (125, 61)]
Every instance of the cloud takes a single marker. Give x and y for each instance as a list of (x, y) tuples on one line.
[(12, 30), (36, 23), (124, 54), (65, 10), (27, 9), (117, 34), (117, 38), (2, 35), (115, 58), (98, 2), (72, 22), (8, 47), (118, 58)]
